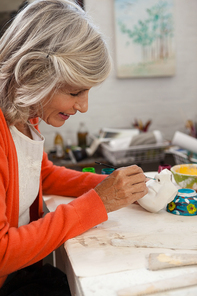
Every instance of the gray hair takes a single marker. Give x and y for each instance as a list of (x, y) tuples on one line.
[(50, 44)]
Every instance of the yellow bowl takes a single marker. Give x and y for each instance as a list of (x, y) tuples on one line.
[(185, 175)]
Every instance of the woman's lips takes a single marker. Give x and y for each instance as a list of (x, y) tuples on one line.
[(64, 116)]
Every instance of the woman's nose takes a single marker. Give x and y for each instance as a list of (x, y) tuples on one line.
[(82, 104)]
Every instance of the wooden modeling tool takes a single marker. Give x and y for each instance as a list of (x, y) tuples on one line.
[(157, 261), (177, 282)]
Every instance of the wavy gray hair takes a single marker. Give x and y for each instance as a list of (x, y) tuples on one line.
[(50, 43)]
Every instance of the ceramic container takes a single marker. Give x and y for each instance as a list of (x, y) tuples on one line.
[(184, 203), (163, 167), (89, 170), (185, 175), (107, 171)]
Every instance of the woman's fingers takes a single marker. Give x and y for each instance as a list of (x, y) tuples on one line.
[(123, 187)]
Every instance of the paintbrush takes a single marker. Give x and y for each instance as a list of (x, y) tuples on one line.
[(113, 167)]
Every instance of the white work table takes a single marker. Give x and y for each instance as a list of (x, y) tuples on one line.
[(112, 256)]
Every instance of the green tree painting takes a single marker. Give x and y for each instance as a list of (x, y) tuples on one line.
[(145, 45)]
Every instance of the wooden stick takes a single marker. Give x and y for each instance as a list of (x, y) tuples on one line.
[(157, 261), (181, 281)]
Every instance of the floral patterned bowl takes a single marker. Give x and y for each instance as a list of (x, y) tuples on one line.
[(185, 175), (184, 203)]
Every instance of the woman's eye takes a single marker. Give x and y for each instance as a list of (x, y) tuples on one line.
[(79, 93), (74, 95)]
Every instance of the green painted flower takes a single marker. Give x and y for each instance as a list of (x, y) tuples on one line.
[(191, 208), (171, 206)]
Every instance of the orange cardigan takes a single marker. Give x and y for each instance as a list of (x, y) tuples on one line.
[(25, 245)]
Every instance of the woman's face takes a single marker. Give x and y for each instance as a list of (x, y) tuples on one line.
[(64, 103)]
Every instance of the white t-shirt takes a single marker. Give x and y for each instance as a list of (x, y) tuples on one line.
[(29, 153)]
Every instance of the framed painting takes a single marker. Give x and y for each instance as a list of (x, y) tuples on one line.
[(145, 41)]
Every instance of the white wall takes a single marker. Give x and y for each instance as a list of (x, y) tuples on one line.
[(169, 102)]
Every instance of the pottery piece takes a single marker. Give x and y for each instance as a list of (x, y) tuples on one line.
[(185, 175), (163, 167), (160, 192), (107, 171), (184, 203)]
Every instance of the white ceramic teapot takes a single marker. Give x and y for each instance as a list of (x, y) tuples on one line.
[(161, 191)]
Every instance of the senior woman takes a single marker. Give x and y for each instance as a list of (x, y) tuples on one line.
[(50, 57)]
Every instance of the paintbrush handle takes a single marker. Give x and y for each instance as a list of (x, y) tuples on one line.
[(106, 165), (113, 167)]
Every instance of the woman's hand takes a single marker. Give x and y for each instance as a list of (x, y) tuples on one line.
[(122, 188)]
